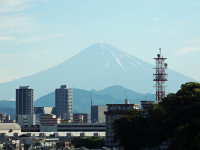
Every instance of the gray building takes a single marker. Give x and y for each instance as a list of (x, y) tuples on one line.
[(115, 111), (24, 106), (86, 117), (97, 114), (63, 102), (81, 127)]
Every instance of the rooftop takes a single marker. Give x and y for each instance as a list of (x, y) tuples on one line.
[(8, 126)]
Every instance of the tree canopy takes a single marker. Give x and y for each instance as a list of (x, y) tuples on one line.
[(175, 119), (89, 142)]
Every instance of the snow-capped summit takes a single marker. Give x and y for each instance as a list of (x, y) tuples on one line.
[(96, 67), (111, 57)]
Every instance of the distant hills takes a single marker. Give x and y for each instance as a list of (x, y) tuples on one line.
[(82, 99), (96, 67), (110, 95), (8, 107)]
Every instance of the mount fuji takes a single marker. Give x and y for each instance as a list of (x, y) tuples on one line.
[(96, 67)]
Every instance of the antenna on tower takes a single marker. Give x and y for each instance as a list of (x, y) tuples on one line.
[(91, 99), (160, 76), (160, 51)]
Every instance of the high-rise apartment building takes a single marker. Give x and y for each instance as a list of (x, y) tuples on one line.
[(63, 102), (24, 106)]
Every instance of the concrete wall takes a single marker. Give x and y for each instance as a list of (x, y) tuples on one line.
[(26, 120), (48, 128)]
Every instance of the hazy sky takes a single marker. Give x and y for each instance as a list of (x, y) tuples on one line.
[(38, 34)]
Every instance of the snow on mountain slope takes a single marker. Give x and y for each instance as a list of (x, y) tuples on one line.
[(96, 67)]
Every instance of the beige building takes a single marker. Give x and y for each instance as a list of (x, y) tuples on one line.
[(48, 122), (10, 127)]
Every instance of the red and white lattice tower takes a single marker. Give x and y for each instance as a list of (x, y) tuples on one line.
[(160, 76)]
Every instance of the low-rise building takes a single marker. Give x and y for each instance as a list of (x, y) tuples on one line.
[(86, 118), (35, 128), (48, 122), (81, 127), (10, 127), (4, 117), (77, 118), (42, 110), (81, 118), (146, 106), (26, 120)]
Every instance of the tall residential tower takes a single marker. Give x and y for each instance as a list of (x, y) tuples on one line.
[(24, 106), (63, 102)]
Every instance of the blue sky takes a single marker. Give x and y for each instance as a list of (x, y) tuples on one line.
[(38, 34)]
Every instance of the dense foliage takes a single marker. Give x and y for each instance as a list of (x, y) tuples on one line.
[(88, 142), (175, 119)]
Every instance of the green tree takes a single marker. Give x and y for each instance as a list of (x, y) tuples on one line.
[(129, 128), (176, 117), (88, 142)]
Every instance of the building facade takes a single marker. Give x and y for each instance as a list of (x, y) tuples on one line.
[(81, 118), (48, 122), (115, 111), (4, 117), (63, 102), (26, 120), (146, 106), (42, 110), (81, 127), (9, 128), (97, 114), (24, 106), (77, 118)]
